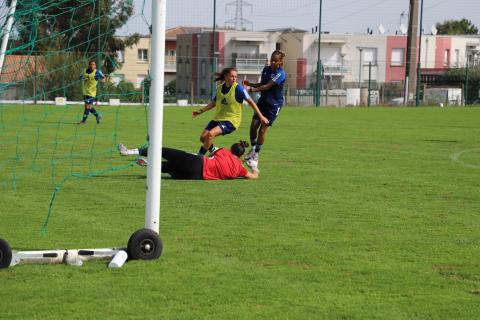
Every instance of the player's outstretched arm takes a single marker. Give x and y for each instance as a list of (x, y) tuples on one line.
[(262, 87), (252, 175), (209, 106), (254, 106), (249, 84)]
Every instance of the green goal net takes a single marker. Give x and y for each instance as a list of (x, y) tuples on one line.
[(44, 152)]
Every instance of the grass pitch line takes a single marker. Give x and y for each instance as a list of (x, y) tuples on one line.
[(457, 155)]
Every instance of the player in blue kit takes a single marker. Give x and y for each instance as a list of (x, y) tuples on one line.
[(270, 102)]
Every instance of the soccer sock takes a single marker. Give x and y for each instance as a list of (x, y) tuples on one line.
[(202, 151), (85, 115), (133, 152), (258, 147), (94, 112), (142, 151), (253, 142)]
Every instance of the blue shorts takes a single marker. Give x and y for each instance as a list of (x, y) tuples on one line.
[(226, 126), (269, 111), (88, 99)]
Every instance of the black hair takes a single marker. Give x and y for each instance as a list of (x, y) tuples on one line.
[(279, 53), (238, 148), (220, 76)]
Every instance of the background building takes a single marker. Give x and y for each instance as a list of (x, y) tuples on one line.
[(348, 60)]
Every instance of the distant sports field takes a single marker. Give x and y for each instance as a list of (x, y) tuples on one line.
[(359, 213)]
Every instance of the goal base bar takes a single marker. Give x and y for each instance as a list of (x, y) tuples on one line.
[(68, 256)]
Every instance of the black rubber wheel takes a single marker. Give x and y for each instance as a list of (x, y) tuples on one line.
[(5, 254), (144, 244)]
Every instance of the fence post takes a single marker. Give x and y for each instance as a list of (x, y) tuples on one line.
[(326, 91), (466, 84), (191, 92), (35, 80), (369, 82)]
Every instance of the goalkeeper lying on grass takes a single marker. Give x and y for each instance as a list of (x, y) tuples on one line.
[(224, 164)]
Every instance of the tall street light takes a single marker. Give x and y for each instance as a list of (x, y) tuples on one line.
[(214, 48), (319, 62), (419, 71)]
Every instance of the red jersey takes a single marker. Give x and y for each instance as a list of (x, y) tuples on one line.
[(223, 165)]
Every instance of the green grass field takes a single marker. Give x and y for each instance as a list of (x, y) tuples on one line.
[(364, 213)]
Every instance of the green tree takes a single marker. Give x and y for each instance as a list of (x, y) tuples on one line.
[(452, 27), (171, 88), (125, 91), (83, 26)]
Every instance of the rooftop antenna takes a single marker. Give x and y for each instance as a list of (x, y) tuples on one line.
[(381, 29), (403, 17)]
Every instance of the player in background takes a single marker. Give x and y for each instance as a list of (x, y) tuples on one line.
[(90, 77), (228, 104), (270, 102)]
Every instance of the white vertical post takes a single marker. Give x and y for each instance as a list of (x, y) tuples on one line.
[(155, 115), (6, 32)]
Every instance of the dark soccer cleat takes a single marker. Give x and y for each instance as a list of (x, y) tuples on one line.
[(142, 162)]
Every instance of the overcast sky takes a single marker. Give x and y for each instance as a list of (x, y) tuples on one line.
[(339, 16)]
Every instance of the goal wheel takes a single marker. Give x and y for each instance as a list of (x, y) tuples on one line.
[(5, 254), (144, 244)]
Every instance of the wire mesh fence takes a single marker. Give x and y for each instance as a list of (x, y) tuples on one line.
[(205, 36)]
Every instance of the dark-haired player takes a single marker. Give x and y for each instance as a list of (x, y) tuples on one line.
[(228, 104), (270, 102), (224, 164), (90, 77)]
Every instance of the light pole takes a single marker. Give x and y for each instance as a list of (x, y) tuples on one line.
[(419, 71), (214, 49), (319, 62)]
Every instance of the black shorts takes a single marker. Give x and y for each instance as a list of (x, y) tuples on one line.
[(269, 111)]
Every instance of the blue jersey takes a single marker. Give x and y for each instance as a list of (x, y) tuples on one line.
[(240, 93), (274, 95)]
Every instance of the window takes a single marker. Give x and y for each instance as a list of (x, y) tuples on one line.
[(140, 79), (121, 56), (446, 58), (370, 56), (397, 57), (457, 58), (117, 78), (142, 55)]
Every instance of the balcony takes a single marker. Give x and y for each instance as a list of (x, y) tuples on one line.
[(336, 68), (170, 64), (249, 63)]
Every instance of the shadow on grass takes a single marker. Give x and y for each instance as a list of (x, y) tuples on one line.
[(442, 141)]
